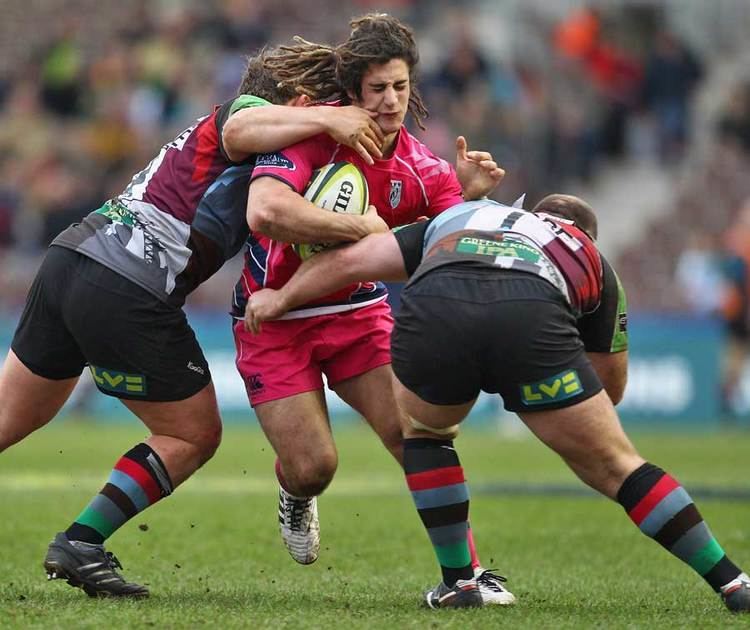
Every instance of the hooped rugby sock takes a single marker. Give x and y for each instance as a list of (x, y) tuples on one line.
[(138, 480), (436, 481), (664, 511), (472, 548)]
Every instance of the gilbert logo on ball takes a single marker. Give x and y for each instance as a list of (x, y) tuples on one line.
[(338, 187)]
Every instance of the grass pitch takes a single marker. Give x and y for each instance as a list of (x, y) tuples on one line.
[(212, 555)]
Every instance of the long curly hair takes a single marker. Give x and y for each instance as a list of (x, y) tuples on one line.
[(325, 72)]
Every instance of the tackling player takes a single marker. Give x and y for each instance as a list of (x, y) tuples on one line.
[(344, 335), (521, 304), (109, 295)]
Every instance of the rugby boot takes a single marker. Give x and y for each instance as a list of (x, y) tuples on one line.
[(88, 567), (464, 594), (736, 594), (491, 587), (299, 525)]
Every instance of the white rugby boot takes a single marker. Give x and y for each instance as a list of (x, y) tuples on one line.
[(299, 526), (492, 589)]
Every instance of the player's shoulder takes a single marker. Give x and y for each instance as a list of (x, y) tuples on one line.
[(419, 156)]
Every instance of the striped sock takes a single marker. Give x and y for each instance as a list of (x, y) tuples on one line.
[(436, 481), (138, 480), (472, 548), (664, 511)]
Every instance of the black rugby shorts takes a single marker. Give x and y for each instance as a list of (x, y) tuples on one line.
[(462, 330), (79, 312)]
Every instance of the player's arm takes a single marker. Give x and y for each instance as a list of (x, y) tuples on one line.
[(605, 337), (390, 256), (251, 130), (279, 212), (375, 257)]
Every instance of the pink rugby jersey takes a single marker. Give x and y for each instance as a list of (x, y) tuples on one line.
[(410, 184)]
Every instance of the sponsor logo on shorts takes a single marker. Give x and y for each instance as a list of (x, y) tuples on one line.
[(554, 389), (254, 383), (275, 160), (119, 382), (195, 368)]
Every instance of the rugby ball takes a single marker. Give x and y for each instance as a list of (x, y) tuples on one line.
[(338, 187)]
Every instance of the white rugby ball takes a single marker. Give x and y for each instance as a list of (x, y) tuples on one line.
[(339, 187)]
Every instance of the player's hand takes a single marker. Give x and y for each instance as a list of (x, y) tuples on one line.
[(477, 172), (356, 128), (373, 221), (261, 306)]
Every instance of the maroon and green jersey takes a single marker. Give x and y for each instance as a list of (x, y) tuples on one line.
[(488, 234), (180, 218)]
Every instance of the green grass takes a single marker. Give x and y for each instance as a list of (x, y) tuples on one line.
[(212, 554)]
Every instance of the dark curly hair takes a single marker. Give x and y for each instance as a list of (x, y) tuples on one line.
[(325, 72), (377, 38)]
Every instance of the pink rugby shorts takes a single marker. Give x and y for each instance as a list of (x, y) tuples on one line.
[(290, 356)]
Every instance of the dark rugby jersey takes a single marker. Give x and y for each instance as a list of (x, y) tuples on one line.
[(487, 234), (180, 218)]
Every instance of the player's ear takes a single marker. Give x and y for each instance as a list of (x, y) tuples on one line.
[(301, 100)]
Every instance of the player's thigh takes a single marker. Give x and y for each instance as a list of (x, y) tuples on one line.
[(430, 418), (371, 395), (298, 427), (589, 437), (27, 401), (195, 419)]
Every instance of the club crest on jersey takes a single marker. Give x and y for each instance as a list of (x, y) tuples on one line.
[(395, 197)]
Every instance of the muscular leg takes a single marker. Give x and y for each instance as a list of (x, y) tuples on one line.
[(436, 481), (184, 435), (589, 437), (371, 395), (299, 431), (27, 401)]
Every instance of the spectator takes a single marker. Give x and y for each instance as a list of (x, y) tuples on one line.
[(672, 72)]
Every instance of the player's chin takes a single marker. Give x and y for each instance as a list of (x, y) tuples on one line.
[(390, 124)]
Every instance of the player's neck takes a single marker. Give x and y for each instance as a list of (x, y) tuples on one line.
[(389, 145)]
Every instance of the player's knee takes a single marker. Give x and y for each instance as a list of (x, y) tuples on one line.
[(415, 428), (309, 477), (207, 441)]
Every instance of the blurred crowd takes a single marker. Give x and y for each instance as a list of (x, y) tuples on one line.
[(90, 91)]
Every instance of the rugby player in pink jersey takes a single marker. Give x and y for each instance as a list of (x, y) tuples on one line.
[(128, 267), (344, 336)]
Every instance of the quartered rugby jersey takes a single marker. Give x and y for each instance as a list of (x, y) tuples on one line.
[(487, 233), (179, 219), (410, 184)]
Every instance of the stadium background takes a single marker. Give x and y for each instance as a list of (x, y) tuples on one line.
[(641, 107)]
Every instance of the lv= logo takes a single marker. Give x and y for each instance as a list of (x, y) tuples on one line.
[(114, 381), (558, 387)]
